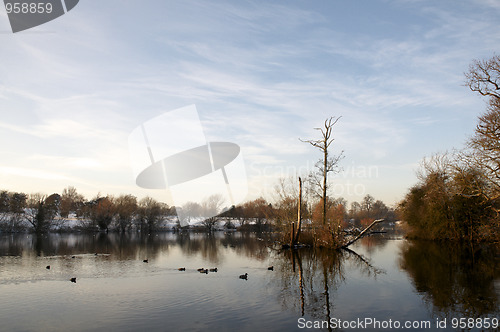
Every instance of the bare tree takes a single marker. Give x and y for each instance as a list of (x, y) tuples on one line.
[(126, 208), (17, 205), (150, 212), (71, 201), (285, 198), (328, 163), (4, 209), (257, 210), (101, 211), (211, 208), (484, 77), (296, 234), (41, 211)]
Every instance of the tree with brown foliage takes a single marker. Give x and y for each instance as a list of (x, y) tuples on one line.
[(101, 212), (71, 201), (149, 213), (126, 208)]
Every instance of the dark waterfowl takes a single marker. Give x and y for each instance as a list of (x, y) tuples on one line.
[(213, 270), (271, 268), (204, 271), (244, 276), (48, 267), (73, 280), (182, 269), (146, 260)]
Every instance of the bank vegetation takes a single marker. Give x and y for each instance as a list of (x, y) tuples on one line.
[(458, 194)]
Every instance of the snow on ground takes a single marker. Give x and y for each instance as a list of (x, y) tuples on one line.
[(11, 222)]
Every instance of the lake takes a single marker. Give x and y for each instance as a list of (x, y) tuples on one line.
[(383, 283)]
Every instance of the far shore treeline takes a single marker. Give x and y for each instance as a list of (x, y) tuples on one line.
[(71, 211)]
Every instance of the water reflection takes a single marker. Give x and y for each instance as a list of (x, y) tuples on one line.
[(25, 254), (378, 279), (131, 246), (309, 279), (454, 280)]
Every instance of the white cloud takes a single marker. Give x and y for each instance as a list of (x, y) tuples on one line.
[(262, 75), (31, 173)]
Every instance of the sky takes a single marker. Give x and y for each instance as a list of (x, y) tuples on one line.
[(261, 74)]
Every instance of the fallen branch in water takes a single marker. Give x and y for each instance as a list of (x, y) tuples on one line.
[(360, 235)]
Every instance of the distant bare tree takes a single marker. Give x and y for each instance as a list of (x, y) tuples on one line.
[(150, 212), (211, 208), (4, 209), (189, 211), (257, 210), (126, 208), (17, 204), (286, 198), (327, 164), (101, 211), (71, 201), (41, 211)]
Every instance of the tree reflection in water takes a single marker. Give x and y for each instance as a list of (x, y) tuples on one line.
[(310, 278), (455, 280)]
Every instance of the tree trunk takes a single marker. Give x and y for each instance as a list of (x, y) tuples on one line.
[(360, 235), (299, 213), (325, 176)]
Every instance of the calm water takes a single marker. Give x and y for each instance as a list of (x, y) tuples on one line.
[(381, 279)]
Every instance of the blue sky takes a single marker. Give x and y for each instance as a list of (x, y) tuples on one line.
[(261, 73)]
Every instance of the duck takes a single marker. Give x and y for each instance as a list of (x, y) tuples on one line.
[(213, 270), (73, 256), (73, 280), (200, 269), (271, 268), (244, 276), (48, 267), (145, 261), (182, 269), (204, 271)]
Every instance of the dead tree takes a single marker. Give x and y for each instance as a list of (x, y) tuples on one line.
[(328, 163), (295, 234)]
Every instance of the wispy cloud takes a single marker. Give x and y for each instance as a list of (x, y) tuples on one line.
[(262, 75), (31, 173)]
